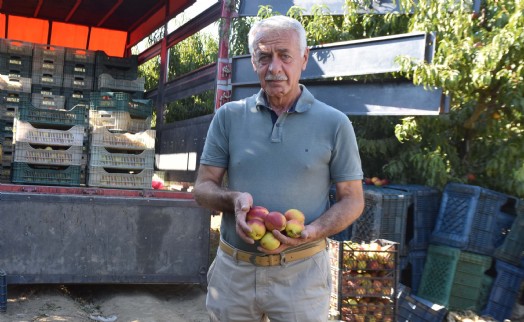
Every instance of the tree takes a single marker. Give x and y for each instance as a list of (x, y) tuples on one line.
[(190, 54), (479, 62)]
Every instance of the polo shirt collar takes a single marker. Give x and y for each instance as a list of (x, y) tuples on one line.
[(304, 102)]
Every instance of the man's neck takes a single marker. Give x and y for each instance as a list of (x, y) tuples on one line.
[(282, 104)]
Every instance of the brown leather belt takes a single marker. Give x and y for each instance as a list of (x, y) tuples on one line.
[(301, 252)]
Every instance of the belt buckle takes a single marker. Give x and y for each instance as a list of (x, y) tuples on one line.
[(270, 261), (253, 259)]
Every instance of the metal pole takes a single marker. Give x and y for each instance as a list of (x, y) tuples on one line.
[(223, 92)]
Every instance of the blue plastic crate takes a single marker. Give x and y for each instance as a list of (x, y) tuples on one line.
[(505, 290), (512, 248), (417, 259), (470, 218), (384, 216), (422, 214)]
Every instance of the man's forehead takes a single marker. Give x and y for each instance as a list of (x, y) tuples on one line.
[(278, 40)]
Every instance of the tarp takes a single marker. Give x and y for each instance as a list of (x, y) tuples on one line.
[(113, 26)]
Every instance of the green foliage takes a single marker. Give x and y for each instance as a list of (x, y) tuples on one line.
[(188, 55), (192, 53), (190, 107), (479, 63)]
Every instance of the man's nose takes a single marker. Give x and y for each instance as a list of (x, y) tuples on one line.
[(275, 66)]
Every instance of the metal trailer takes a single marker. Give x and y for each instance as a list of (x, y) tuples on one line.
[(85, 235)]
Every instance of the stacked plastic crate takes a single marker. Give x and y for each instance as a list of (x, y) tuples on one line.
[(458, 271), (16, 58), (121, 140), (78, 81), (421, 218), (384, 217), (509, 264), (49, 140), (364, 280)]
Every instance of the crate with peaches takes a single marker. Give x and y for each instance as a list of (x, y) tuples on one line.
[(364, 280)]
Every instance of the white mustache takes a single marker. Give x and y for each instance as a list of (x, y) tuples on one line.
[(275, 77)]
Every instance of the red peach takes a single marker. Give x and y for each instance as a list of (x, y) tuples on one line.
[(257, 212), (258, 229), (295, 214), (275, 220), (269, 241), (293, 228)]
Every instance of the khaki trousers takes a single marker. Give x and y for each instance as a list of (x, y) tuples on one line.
[(293, 292)]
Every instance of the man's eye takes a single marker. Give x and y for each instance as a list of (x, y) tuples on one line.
[(263, 59)]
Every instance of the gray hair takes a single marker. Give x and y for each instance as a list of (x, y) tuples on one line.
[(278, 23)]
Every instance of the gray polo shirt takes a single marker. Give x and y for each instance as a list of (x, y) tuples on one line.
[(290, 163)]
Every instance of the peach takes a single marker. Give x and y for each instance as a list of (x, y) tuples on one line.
[(269, 241), (258, 229), (293, 228), (257, 212), (295, 214), (275, 220)]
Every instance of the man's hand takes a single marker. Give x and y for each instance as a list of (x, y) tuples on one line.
[(243, 203), (306, 236)]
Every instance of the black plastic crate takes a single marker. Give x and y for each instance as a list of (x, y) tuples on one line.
[(79, 75), (422, 213), (117, 67), (75, 97), (46, 89), (16, 65), (384, 217), (412, 308)]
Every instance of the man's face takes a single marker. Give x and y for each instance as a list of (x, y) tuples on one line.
[(278, 62)]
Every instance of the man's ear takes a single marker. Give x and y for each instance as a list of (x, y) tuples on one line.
[(306, 58), (253, 63)]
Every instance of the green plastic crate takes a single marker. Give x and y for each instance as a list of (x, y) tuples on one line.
[(439, 274), (24, 173), (47, 117), (469, 281)]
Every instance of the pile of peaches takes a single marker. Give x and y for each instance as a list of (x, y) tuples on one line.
[(263, 222)]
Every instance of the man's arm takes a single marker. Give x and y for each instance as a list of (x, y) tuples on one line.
[(349, 206), (347, 209), (209, 193)]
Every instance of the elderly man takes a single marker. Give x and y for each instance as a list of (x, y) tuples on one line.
[(281, 149)]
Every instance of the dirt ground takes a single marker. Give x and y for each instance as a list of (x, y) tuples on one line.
[(108, 303)]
